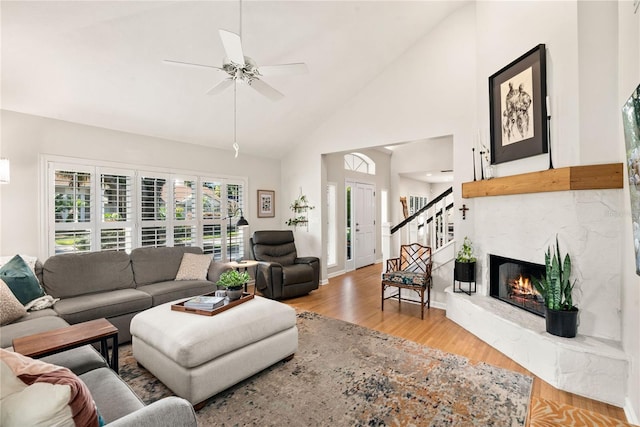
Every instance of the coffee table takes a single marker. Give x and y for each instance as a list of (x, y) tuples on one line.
[(59, 340)]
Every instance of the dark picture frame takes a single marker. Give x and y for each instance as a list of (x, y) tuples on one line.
[(518, 108), (631, 125), (266, 203)]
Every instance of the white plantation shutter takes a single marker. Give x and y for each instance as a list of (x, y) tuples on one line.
[(185, 203), (235, 201), (73, 205), (153, 209), (117, 217), (211, 196), (93, 207)]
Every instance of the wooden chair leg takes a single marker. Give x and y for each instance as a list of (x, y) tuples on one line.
[(382, 297), (422, 303)]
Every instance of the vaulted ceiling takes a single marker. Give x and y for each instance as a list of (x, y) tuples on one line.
[(100, 63)]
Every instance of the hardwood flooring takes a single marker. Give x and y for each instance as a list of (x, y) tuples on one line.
[(355, 297)]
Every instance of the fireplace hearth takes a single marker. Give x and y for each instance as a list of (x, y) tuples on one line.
[(510, 280)]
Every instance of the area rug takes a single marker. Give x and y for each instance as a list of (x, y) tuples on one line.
[(547, 413), (347, 375)]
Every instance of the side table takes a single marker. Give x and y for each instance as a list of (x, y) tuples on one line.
[(59, 340), (244, 264)]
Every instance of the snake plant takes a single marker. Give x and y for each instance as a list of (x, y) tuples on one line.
[(555, 286)]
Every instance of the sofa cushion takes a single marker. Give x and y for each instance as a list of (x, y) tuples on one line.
[(104, 304), (34, 326), (10, 308), (71, 275), (113, 397), (194, 267), (36, 393), (151, 265), (21, 280), (172, 290)]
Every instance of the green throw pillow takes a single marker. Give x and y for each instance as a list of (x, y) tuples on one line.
[(21, 280)]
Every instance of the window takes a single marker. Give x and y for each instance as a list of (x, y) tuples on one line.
[(359, 162), (331, 224), (235, 201), (94, 208)]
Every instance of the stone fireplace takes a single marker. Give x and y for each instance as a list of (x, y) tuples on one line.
[(511, 281)]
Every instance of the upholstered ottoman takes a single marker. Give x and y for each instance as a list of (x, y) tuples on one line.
[(198, 356)]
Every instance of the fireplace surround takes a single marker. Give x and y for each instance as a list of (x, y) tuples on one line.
[(510, 280)]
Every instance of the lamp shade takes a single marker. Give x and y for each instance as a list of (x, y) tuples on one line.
[(242, 222), (4, 171)]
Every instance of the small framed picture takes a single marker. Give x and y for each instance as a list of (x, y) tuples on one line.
[(266, 203), (517, 105)]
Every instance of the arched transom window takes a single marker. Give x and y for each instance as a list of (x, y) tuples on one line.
[(359, 162)]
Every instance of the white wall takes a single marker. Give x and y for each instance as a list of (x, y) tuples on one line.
[(412, 100), (404, 104), (628, 38), (25, 138)]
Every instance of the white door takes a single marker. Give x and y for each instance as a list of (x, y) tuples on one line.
[(365, 215)]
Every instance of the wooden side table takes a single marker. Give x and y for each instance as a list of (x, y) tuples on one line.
[(58, 340), (245, 264)]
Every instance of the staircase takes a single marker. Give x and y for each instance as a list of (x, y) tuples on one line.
[(432, 225)]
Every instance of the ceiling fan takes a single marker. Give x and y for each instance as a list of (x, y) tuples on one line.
[(240, 68)]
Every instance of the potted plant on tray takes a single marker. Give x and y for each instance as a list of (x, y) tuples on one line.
[(465, 264), (556, 288), (233, 281)]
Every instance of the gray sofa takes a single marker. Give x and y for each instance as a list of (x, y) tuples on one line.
[(116, 286), (117, 403), (113, 285)]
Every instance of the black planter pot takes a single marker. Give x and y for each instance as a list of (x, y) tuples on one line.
[(562, 323), (464, 271)]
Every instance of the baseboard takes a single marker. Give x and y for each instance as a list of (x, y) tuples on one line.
[(632, 418), (335, 274), (324, 282)]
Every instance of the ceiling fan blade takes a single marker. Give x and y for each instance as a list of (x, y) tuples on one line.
[(188, 64), (283, 69), (232, 46), (220, 87), (266, 90)]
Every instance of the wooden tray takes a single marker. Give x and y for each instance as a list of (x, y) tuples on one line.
[(228, 304)]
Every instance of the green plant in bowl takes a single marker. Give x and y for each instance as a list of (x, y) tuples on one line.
[(233, 279)]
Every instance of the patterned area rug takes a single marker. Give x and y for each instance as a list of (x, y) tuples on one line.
[(547, 413), (347, 375)]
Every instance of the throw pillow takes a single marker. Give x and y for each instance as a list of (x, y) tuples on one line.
[(36, 393), (10, 308), (194, 267), (30, 260), (21, 280)]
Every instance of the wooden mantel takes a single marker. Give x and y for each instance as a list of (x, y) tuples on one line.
[(592, 177)]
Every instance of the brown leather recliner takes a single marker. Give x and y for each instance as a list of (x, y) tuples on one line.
[(280, 273)]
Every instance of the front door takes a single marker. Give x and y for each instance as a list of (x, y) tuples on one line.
[(365, 232)]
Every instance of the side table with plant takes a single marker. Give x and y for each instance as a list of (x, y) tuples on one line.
[(234, 282), (465, 266), (556, 289)]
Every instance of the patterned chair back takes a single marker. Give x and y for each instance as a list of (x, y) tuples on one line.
[(415, 258)]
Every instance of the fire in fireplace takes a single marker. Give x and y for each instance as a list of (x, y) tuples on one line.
[(510, 280)]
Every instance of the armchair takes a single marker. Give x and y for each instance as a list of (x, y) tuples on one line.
[(280, 272), (412, 270)]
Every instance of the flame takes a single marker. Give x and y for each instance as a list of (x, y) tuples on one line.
[(522, 287)]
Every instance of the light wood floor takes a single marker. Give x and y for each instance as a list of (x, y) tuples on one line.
[(355, 297)]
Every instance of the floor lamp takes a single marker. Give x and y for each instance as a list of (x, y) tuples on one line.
[(242, 222)]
